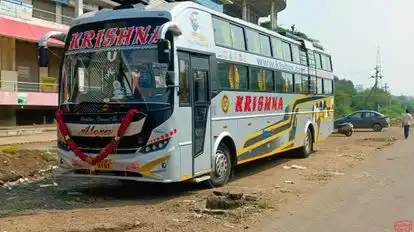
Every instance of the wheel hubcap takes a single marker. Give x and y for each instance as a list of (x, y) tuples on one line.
[(221, 164)]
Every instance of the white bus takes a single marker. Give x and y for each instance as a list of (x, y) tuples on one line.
[(178, 92)]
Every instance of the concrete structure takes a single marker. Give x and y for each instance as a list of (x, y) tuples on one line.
[(28, 94)]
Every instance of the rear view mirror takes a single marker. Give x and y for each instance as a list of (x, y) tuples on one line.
[(43, 56), (164, 51)]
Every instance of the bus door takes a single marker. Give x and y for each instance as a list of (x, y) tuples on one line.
[(200, 101), (197, 127)]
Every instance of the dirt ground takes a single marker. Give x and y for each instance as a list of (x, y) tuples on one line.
[(57, 204)]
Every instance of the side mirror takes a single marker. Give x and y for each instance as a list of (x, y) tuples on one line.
[(164, 51), (43, 56), (170, 78)]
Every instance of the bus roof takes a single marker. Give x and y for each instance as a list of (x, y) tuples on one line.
[(170, 11)]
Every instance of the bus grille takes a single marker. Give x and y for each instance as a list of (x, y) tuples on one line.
[(127, 144)]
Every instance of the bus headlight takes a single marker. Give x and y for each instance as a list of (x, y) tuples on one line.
[(155, 146)]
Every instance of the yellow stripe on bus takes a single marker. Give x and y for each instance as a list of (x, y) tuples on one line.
[(261, 142)]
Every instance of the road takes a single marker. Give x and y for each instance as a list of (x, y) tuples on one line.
[(370, 198), (316, 197), (46, 136)]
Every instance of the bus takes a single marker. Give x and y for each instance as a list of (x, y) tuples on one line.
[(178, 92)]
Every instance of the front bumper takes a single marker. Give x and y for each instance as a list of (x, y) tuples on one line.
[(152, 167)]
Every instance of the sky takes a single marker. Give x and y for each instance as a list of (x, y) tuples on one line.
[(352, 30)]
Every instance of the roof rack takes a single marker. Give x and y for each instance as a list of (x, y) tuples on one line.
[(302, 39)]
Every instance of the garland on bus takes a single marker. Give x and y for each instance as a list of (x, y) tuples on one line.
[(107, 150)]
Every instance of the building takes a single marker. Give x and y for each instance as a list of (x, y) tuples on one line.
[(28, 94)]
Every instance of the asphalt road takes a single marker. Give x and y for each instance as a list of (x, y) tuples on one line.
[(372, 198)]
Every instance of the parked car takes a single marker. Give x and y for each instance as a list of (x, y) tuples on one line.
[(365, 119)]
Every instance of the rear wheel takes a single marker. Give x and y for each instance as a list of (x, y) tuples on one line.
[(377, 127), (348, 133), (222, 167), (307, 148)]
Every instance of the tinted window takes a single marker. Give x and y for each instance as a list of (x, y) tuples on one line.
[(253, 41), (311, 59), (318, 61), (326, 63), (200, 86), (222, 32), (284, 82), (356, 116), (270, 85), (237, 36), (295, 53), (277, 48), (184, 91), (265, 45), (327, 86), (261, 79), (319, 86), (313, 84), (287, 54), (298, 83), (303, 57), (232, 76), (371, 115)]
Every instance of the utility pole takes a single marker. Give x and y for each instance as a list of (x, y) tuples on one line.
[(377, 76), (386, 87)]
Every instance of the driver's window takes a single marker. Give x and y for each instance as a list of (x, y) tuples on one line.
[(356, 116), (184, 66)]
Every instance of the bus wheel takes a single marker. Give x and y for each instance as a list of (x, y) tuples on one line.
[(307, 148), (222, 167)]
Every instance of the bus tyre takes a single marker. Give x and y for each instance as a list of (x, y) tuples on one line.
[(307, 148), (222, 167)]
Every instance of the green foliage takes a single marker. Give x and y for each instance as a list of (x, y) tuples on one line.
[(9, 149), (348, 99)]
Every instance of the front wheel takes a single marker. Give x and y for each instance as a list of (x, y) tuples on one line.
[(222, 170), (307, 148), (377, 127)]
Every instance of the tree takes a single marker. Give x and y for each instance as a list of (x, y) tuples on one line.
[(348, 99)]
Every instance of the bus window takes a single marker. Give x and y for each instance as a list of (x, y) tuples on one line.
[(184, 93), (200, 86), (277, 48), (284, 82), (295, 53), (326, 63), (287, 53), (265, 45), (303, 57), (222, 32), (327, 86), (270, 85), (313, 84), (237, 36), (261, 79), (319, 86), (232, 76), (253, 41), (299, 85), (318, 61)]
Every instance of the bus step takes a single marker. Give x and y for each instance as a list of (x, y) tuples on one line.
[(200, 179)]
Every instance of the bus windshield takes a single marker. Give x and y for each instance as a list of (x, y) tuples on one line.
[(115, 62), (131, 75)]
